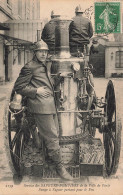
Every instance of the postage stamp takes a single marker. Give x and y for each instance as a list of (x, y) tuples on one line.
[(107, 17)]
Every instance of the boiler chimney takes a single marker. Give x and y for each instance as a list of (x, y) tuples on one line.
[(62, 38)]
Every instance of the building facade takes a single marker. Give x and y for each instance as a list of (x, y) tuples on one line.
[(108, 62), (114, 59), (19, 23)]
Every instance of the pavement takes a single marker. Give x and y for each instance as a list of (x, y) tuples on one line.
[(4, 88)]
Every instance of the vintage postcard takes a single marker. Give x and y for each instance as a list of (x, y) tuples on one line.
[(61, 96)]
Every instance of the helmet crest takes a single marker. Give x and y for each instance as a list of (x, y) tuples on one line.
[(55, 14), (78, 9)]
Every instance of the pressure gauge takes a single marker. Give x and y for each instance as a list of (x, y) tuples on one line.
[(75, 66)]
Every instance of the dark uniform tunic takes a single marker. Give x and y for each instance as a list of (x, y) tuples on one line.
[(32, 76), (48, 35), (80, 31)]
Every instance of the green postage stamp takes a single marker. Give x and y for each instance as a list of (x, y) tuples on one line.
[(107, 17)]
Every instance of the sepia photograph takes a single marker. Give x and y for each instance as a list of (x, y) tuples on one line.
[(61, 97)]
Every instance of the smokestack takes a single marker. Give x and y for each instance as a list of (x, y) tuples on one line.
[(62, 38)]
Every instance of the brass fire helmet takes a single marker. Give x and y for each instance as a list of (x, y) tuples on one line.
[(40, 45), (16, 103), (55, 14), (78, 9)]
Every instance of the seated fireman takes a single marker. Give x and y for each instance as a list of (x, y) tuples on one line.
[(35, 83), (80, 31), (48, 32)]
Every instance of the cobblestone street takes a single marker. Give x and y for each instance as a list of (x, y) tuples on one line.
[(100, 88)]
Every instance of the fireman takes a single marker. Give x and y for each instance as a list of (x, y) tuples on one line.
[(48, 33), (80, 31), (35, 83)]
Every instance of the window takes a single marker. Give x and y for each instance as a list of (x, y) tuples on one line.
[(9, 2), (19, 57), (27, 9), (20, 8), (119, 59)]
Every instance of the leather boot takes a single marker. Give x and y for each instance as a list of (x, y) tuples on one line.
[(62, 172), (60, 169)]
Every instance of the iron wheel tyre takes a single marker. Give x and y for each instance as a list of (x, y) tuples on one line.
[(112, 132), (14, 141)]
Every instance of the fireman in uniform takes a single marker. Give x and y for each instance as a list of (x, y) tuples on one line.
[(80, 31), (48, 33), (35, 83)]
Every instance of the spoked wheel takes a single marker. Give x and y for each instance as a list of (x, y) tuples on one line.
[(112, 133), (18, 137), (17, 134)]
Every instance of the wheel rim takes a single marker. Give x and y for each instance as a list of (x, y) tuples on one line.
[(16, 141), (110, 134)]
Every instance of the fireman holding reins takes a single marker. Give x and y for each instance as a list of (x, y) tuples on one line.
[(35, 83)]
